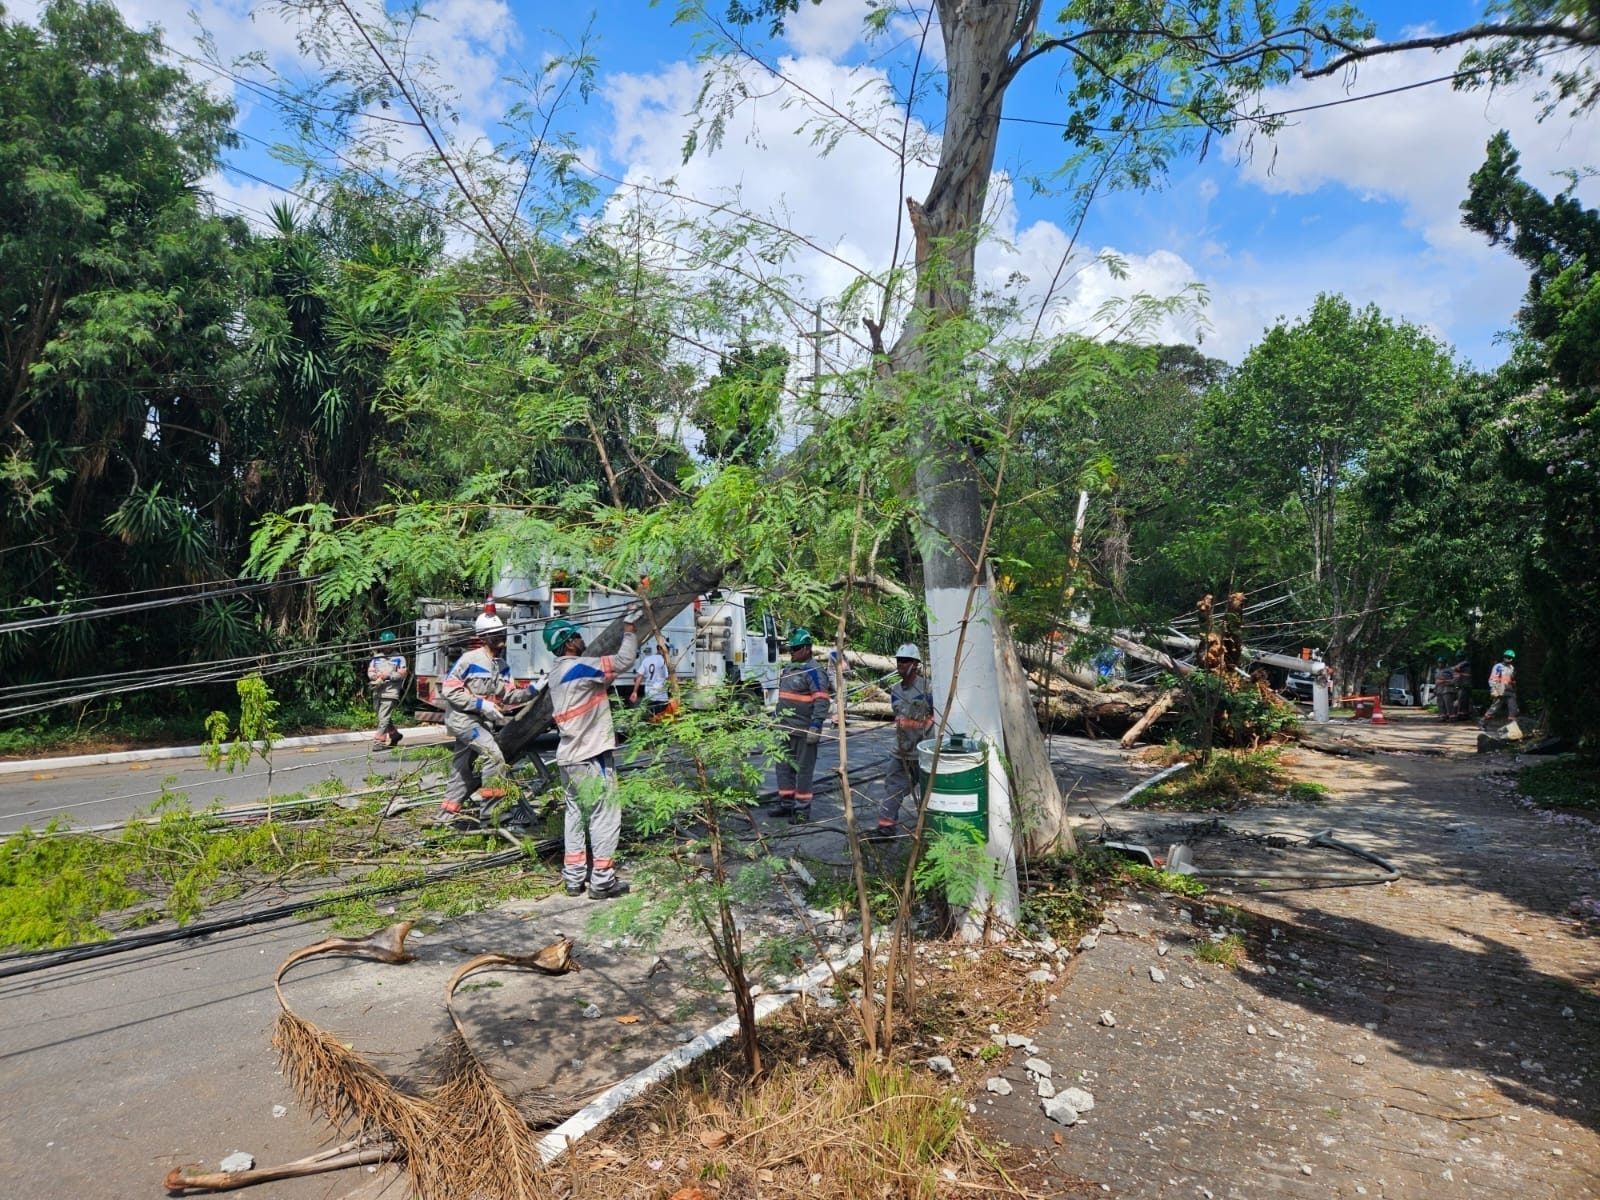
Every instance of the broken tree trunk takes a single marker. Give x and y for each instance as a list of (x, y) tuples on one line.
[(661, 604), (1037, 798), (1149, 718)]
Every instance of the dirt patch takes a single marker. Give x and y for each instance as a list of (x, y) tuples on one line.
[(1435, 1036)]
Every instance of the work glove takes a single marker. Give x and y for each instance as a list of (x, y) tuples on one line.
[(813, 737), (634, 614), (491, 714)]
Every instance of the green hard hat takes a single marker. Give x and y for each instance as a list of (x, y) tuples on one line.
[(1509, 654), (800, 637), (386, 636), (558, 633)]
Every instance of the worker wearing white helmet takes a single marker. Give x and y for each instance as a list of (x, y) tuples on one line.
[(912, 707), (475, 691)]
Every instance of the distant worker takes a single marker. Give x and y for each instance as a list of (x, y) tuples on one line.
[(803, 701), (651, 675), (476, 692), (912, 707), (1444, 689), (386, 676), (580, 703), (1463, 686), (1502, 689)]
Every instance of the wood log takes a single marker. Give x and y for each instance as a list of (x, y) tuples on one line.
[(1150, 715), (338, 1158)]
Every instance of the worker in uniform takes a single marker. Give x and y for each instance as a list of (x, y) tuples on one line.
[(580, 701), (476, 692), (803, 701), (651, 675), (912, 707), (1502, 689), (1463, 685), (386, 676), (1444, 689)]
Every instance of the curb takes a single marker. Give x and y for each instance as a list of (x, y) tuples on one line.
[(25, 766)]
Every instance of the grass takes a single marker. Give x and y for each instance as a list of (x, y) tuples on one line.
[(1227, 780), (1228, 952), (1068, 895), (1568, 782)]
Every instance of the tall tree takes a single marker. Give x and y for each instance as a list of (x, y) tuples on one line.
[(119, 296), (1550, 425), (1306, 411)]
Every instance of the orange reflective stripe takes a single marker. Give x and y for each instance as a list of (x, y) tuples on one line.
[(578, 710), (573, 860), (603, 864), (913, 722), (802, 697), (607, 669)]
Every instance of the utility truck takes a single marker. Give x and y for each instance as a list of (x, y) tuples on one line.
[(717, 641)]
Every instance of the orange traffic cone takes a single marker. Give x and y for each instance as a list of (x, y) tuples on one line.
[(1377, 711)]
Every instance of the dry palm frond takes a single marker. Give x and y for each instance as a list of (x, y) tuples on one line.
[(464, 1139), (507, 1163)]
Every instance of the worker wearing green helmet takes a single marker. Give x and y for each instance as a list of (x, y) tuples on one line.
[(580, 704), (386, 676), (803, 703), (1502, 690)]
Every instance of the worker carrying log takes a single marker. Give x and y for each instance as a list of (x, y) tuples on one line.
[(580, 701), (912, 707), (476, 693)]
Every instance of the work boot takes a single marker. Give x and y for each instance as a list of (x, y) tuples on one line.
[(609, 891), (780, 808), (395, 738), (576, 889), (801, 815), (882, 833), (380, 744)]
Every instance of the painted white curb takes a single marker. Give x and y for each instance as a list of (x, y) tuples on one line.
[(556, 1143), (25, 766)]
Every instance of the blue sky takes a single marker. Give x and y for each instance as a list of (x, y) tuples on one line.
[(1359, 199)]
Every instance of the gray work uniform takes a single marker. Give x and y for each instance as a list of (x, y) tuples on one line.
[(580, 699), (803, 702), (913, 723)]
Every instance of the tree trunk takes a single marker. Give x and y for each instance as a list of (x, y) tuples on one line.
[(1035, 796), (979, 36)]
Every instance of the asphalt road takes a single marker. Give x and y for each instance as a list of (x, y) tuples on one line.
[(98, 795)]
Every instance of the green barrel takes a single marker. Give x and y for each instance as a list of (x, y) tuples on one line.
[(959, 799)]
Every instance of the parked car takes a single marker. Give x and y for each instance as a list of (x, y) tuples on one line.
[(1398, 696)]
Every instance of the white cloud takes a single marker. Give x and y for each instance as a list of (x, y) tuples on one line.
[(827, 30)]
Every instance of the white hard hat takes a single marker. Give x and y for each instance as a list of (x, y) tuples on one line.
[(908, 650), (488, 623)]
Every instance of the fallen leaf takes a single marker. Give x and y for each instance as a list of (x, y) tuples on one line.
[(1058, 1139), (765, 1175), (629, 1019), (715, 1139), (688, 1193)]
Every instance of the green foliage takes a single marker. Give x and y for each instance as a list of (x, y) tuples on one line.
[(256, 732), (1568, 782), (1549, 431), (1227, 951), (1226, 780), (956, 865)]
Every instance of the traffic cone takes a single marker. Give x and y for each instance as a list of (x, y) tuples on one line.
[(1377, 711)]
